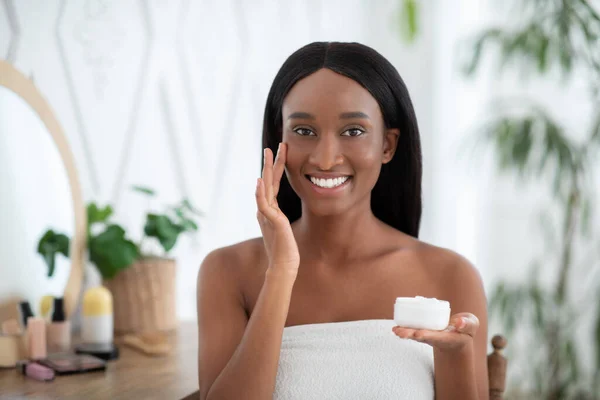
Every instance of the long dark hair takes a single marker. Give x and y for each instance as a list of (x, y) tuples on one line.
[(396, 197)]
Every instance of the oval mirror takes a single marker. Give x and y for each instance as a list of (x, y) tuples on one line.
[(39, 191)]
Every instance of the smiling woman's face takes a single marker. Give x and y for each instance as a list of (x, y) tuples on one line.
[(337, 142)]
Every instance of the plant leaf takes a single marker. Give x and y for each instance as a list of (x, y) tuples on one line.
[(408, 19), (179, 212), (144, 190), (49, 245), (572, 360), (593, 142), (96, 214), (525, 144), (164, 229), (586, 217), (51, 263), (488, 36), (542, 54), (551, 37), (186, 204), (189, 225), (522, 144), (508, 304), (538, 300), (111, 252)]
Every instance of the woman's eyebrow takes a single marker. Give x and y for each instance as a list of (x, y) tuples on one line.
[(354, 114), (301, 115), (346, 115)]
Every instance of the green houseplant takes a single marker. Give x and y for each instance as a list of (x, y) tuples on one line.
[(109, 248), (142, 282), (550, 38)]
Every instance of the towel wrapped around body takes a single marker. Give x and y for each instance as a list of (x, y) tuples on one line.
[(352, 360)]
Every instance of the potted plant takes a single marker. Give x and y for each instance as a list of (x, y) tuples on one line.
[(142, 283)]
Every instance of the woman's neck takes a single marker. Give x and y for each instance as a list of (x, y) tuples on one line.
[(336, 239)]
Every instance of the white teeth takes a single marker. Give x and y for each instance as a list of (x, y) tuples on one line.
[(328, 183)]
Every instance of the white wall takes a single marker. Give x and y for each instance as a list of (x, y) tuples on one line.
[(170, 94)]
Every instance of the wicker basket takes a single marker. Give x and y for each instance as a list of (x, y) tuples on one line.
[(144, 296)]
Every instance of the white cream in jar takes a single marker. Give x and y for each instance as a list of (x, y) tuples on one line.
[(422, 313)]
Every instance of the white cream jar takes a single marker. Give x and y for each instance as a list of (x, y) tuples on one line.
[(422, 313)]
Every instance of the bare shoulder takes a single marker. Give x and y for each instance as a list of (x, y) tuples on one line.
[(446, 263), (454, 275), (233, 261)]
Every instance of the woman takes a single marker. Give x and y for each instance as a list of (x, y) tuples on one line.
[(340, 243)]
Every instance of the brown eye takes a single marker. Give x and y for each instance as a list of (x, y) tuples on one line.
[(304, 132), (353, 132)]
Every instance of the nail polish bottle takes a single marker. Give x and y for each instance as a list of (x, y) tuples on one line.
[(58, 331), (36, 338), (46, 307), (25, 312)]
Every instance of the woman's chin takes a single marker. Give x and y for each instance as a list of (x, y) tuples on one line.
[(326, 209)]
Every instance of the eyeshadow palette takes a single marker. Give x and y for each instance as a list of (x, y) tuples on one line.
[(64, 364), (104, 351)]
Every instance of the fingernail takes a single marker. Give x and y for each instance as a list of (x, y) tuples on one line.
[(257, 183), (278, 146), (450, 328)]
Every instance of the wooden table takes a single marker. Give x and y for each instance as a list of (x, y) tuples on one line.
[(133, 376)]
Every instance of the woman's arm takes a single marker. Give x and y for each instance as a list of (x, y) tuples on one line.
[(460, 352), (456, 375), (462, 372), (238, 358)]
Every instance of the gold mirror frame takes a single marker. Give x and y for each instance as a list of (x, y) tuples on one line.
[(14, 80)]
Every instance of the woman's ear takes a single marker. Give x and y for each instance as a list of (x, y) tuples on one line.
[(390, 142)]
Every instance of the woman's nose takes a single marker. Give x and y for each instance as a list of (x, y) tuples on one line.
[(326, 153)]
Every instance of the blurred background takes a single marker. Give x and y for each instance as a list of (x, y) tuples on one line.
[(168, 96)]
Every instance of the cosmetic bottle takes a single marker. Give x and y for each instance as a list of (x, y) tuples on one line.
[(97, 325), (58, 331), (46, 307), (12, 344), (25, 312), (11, 327), (36, 338), (97, 320), (10, 350)]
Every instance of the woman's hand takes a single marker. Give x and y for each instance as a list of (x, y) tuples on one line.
[(278, 237), (460, 332)]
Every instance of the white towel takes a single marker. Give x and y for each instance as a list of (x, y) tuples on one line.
[(352, 360)]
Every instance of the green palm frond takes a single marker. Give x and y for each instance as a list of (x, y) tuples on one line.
[(532, 144), (555, 34)]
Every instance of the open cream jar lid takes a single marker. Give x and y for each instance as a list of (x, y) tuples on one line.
[(422, 313)]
